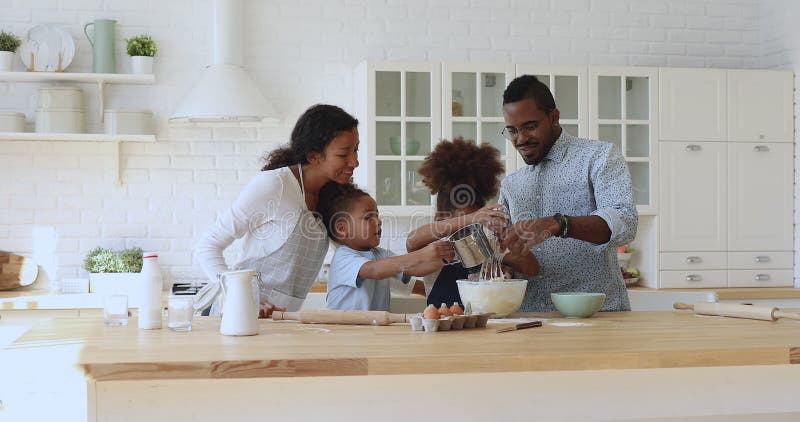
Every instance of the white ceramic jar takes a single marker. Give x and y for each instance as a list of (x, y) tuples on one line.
[(65, 120), (12, 121), (60, 97), (128, 122)]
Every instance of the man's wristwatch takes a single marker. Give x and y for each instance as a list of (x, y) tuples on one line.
[(563, 225)]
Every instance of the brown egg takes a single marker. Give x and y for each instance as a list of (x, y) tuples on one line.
[(456, 310), (444, 310), (430, 313)]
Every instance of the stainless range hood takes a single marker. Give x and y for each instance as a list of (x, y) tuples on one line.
[(225, 92)]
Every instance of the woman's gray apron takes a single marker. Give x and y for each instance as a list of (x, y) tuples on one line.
[(288, 273)]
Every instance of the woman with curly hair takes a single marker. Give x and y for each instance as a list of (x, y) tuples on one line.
[(464, 177)]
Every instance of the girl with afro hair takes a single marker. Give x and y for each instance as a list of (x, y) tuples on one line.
[(464, 177)]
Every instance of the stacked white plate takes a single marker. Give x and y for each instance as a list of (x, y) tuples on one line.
[(60, 110)]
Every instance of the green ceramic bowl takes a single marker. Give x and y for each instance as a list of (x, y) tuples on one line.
[(578, 304), (412, 145)]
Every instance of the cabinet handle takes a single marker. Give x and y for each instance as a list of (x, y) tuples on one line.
[(693, 259), (761, 277), (693, 277), (761, 148), (762, 258), (693, 147)]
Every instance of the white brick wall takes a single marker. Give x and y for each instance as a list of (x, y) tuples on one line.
[(780, 48), (300, 53)]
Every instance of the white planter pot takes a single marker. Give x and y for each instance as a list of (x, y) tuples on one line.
[(115, 284), (6, 60), (141, 65)]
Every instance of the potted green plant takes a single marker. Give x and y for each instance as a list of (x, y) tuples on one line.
[(113, 272), (9, 43), (142, 48)]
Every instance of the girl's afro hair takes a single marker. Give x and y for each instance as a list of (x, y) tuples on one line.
[(462, 174)]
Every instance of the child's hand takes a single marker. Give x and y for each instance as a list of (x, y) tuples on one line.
[(439, 252), (265, 309), (493, 216)]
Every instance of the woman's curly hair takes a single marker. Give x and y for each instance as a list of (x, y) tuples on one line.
[(335, 203), (462, 174)]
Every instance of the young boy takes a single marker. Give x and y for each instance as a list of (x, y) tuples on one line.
[(360, 270)]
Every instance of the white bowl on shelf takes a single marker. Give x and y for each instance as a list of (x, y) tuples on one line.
[(128, 122), (12, 121)]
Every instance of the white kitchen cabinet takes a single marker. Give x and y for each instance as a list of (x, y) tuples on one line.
[(760, 106), (399, 107), (693, 104), (693, 196), (760, 183), (727, 187), (623, 110), (472, 105)]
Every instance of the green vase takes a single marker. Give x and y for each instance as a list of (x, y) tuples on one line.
[(102, 41)]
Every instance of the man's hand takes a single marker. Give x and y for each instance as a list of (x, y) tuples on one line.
[(492, 216), (265, 309), (523, 235)]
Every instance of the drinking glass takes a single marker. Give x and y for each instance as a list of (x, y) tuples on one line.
[(180, 310), (115, 310)]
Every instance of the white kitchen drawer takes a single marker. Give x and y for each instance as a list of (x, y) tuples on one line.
[(692, 279), (760, 278), (755, 260), (692, 261)]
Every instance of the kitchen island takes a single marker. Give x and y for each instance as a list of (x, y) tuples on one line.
[(615, 365)]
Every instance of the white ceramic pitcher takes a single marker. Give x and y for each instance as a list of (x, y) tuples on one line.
[(240, 303)]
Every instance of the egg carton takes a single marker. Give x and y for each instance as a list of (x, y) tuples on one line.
[(455, 322)]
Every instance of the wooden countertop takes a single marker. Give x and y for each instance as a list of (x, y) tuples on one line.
[(610, 340)]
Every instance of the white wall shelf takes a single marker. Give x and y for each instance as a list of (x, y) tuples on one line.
[(109, 78), (98, 78), (81, 137)]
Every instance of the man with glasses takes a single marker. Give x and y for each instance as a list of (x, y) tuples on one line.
[(571, 205)]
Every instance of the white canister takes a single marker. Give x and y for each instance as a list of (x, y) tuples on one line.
[(128, 122), (12, 121), (6, 60), (65, 120), (59, 97)]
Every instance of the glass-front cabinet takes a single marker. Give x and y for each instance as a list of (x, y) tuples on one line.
[(472, 105), (623, 112), (399, 114), (405, 108)]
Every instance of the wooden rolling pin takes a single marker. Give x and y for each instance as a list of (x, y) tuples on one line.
[(341, 317), (737, 311)]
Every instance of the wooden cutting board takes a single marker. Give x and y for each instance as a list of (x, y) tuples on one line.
[(16, 271)]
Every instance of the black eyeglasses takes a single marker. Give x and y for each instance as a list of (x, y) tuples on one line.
[(512, 133)]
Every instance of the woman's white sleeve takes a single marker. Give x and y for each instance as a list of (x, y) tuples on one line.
[(256, 205)]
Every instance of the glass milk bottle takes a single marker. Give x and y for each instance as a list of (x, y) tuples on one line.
[(150, 283)]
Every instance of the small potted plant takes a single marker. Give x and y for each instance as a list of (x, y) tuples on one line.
[(142, 48), (9, 43), (113, 272)]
